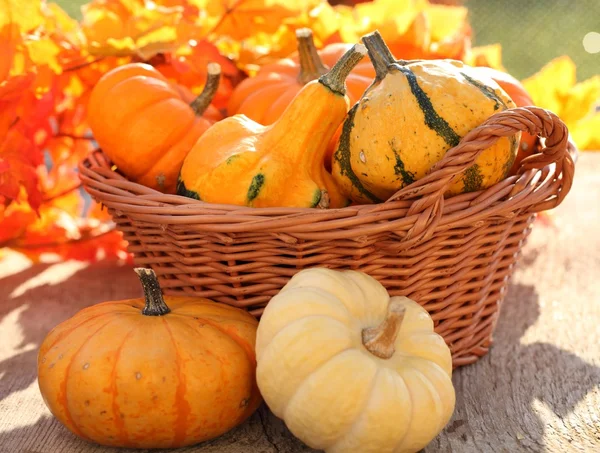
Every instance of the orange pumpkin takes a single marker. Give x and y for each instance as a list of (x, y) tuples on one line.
[(147, 125), (264, 97), (154, 373), (521, 97)]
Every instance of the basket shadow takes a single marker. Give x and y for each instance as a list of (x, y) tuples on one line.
[(510, 397)]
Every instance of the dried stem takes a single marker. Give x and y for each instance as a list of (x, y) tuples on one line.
[(380, 340), (201, 103), (311, 65)]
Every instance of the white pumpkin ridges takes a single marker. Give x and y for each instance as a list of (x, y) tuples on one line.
[(297, 303), (315, 372), (294, 354), (383, 422), (336, 392), (427, 406)]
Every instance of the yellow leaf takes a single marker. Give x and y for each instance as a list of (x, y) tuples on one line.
[(490, 56), (240, 19), (44, 51), (550, 85), (446, 20), (555, 88), (586, 133), (27, 14), (580, 100)]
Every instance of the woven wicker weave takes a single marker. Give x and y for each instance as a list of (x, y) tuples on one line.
[(454, 256)]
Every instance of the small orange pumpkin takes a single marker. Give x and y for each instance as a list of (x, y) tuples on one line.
[(264, 97), (143, 374), (146, 125), (521, 97)]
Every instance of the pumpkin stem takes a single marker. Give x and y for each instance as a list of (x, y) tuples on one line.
[(335, 79), (201, 103), (155, 303), (311, 65), (379, 53), (380, 340)]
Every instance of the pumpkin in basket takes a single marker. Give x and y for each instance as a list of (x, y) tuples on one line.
[(154, 373), (407, 120), (238, 161), (147, 125), (351, 370), (264, 97), (520, 96)]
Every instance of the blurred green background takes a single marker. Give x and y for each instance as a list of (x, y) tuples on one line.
[(531, 32)]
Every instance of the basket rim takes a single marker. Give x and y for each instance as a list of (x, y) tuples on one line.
[(413, 213)]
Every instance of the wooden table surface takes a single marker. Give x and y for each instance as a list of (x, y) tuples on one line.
[(537, 390)]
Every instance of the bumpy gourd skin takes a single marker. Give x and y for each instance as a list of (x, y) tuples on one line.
[(406, 123)]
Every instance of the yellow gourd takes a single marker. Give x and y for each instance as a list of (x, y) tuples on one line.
[(351, 370), (414, 112)]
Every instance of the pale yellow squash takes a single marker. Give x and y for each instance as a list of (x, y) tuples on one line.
[(351, 370)]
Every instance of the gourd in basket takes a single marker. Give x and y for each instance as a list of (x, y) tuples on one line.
[(409, 118), (241, 162), (147, 125)]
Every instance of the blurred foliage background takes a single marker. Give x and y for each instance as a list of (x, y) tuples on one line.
[(531, 32)]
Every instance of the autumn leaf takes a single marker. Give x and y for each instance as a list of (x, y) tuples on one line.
[(240, 19), (555, 88), (26, 15), (490, 56), (125, 27), (188, 64)]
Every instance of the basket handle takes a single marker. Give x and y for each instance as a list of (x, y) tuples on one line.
[(428, 192)]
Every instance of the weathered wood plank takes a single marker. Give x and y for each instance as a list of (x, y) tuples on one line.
[(537, 390)]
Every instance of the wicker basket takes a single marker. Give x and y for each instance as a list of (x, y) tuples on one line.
[(452, 255)]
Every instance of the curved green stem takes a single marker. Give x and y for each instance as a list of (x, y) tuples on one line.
[(335, 79), (201, 103), (155, 303)]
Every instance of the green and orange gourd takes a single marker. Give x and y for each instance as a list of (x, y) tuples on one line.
[(238, 161), (414, 112), (146, 125)]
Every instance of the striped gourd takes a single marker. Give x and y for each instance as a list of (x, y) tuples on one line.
[(414, 112)]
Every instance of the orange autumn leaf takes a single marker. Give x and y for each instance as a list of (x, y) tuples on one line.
[(188, 64), (555, 88), (56, 232), (18, 161), (240, 19)]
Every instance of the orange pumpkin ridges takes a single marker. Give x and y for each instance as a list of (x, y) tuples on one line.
[(146, 125), (158, 372), (264, 97)]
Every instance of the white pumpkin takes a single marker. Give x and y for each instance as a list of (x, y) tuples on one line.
[(350, 369)]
